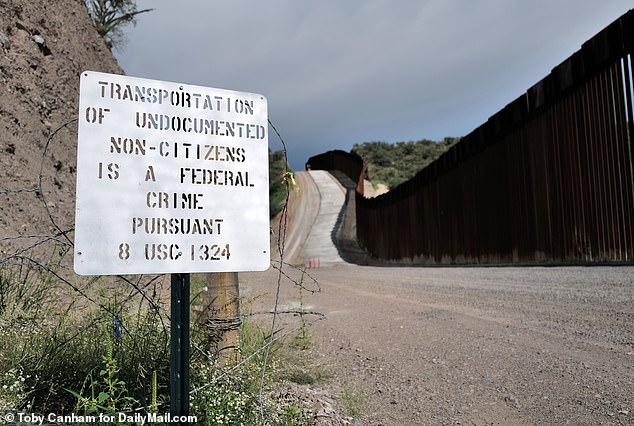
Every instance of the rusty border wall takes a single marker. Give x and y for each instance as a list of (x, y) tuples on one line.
[(350, 163), (547, 179)]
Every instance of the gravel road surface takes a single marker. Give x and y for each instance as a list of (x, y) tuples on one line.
[(473, 346)]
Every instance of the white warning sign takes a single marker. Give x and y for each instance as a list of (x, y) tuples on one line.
[(171, 178)]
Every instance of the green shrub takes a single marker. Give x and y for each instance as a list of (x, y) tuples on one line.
[(394, 163), (56, 341), (229, 400), (277, 187), (13, 390)]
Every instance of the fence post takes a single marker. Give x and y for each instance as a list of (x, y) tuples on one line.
[(222, 313), (179, 345)]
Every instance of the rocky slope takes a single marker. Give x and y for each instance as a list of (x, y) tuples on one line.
[(44, 46)]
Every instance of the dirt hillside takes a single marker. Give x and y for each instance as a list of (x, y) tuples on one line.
[(44, 46)]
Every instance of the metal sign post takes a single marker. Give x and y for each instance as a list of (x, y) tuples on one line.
[(179, 346)]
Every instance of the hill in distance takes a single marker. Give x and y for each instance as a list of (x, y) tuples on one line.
[(392, 164)]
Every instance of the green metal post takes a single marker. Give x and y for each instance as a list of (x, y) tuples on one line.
[(179, 345)]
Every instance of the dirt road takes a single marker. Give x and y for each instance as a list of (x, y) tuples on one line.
[(475, 346), (471, 346)]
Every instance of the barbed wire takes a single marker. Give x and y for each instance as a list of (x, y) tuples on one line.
[(279, 266), (27, 249), (281, 241), (41, 175), (43, 240), (18, 191)]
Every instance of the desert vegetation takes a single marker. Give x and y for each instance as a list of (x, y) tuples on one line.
[(394, 163)]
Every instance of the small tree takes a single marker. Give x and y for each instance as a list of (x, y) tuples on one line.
[(111, 16)]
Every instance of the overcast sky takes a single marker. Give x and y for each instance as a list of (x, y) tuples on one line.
[(336, 73)]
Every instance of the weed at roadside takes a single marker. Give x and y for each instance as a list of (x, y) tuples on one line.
[(352, 401)]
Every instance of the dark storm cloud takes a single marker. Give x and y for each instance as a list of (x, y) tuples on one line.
[(341, 72)]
